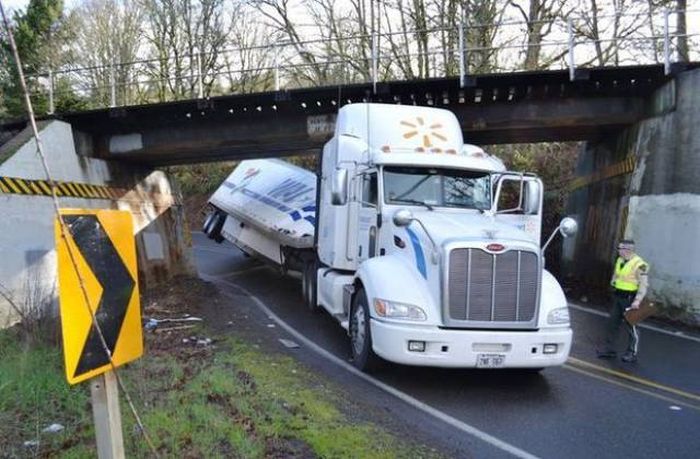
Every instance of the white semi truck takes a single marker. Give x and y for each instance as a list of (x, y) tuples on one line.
[(426, 250)]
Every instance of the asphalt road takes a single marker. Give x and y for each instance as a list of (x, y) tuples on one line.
[(588, 408)]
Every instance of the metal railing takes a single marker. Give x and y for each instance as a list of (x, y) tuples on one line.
[(375, 57)]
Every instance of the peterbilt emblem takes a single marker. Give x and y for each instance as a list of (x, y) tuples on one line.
[(495, 247), (491, 234)]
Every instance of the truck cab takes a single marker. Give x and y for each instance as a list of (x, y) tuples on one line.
[(428, 251)]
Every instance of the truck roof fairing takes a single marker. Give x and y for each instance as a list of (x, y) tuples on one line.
[(400, 126)]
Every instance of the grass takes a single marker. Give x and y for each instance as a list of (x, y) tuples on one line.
[(34, 394), (231, 399)]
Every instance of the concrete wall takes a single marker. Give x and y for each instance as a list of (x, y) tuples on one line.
[(657, 204), (28, 267)]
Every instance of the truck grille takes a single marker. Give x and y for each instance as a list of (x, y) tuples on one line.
[(486, 287)]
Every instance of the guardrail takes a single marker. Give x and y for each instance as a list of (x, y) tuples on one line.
[(381, 56)]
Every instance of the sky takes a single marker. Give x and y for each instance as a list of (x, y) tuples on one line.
[(13, 4), (18, 4)]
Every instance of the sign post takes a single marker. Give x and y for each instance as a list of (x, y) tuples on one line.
[(107, 417), (98, 283)]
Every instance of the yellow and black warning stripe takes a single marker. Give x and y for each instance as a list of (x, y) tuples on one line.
[(15, 185), (623, 167)]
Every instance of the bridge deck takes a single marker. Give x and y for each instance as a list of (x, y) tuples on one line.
[(499, 108)]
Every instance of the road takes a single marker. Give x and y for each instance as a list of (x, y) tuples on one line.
[(588, 408)]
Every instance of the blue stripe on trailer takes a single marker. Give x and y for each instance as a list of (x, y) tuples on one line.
[(294, 214)]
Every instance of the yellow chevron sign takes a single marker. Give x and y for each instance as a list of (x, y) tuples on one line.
[(15, 185), (102, 244)]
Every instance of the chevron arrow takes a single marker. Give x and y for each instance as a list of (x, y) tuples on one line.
[(117, 287)]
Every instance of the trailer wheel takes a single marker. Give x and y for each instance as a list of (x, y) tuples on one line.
[(309, 286), (363, 357), (213, 225), (206, 227)]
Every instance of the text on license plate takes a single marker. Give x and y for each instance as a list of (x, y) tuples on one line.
[(490, 360)]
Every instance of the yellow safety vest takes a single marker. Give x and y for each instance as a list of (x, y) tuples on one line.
[(626, 275)]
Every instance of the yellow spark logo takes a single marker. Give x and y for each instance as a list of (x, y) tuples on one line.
[(428, 133)]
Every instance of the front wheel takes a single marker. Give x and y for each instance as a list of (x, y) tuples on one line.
[(363, 357)]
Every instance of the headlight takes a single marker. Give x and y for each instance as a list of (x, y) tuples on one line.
[(558, 316), (394, 310)]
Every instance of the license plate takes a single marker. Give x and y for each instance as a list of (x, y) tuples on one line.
[(490, 360)]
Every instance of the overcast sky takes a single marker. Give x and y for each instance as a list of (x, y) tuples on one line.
[(14, 4), (17, 4)]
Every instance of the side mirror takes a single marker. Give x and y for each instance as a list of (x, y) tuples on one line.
[(531, 204), (402, 217), (568, 227), (339, 187)]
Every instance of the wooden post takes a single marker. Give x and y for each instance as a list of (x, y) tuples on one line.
[(108, 420)]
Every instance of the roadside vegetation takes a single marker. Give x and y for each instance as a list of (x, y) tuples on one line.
[(203, 391)]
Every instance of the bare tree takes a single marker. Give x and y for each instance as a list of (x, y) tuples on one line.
[(540, 16), (450, 18), (186, 39), (483, 20), (682, 30), (611, 31), (423, 37), (326, 50), (108, 40), (249, 65)]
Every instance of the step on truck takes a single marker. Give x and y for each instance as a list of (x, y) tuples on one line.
[(425, 249)]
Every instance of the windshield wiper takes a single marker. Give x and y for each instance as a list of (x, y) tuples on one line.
[(414, 201)]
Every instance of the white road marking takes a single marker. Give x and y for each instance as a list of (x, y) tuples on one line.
[(674, 333), (570, 367), (464, 427)]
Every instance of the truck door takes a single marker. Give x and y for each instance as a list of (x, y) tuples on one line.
[(518, 202), (368, 233)]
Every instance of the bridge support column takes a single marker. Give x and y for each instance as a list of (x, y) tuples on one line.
[(643, 184), (28, 269)]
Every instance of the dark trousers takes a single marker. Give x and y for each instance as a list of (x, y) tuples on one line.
[(621, 301)]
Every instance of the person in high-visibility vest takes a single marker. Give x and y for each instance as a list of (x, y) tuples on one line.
[(630, 280)]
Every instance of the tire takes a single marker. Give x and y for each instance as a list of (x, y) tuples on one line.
[(363, 357), (206, 227), (215, 226), (309, 286)]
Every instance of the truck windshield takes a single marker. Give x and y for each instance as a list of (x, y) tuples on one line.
[(437, 187)]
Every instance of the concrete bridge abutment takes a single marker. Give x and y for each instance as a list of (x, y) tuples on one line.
[(28, 271), (644, 184)]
